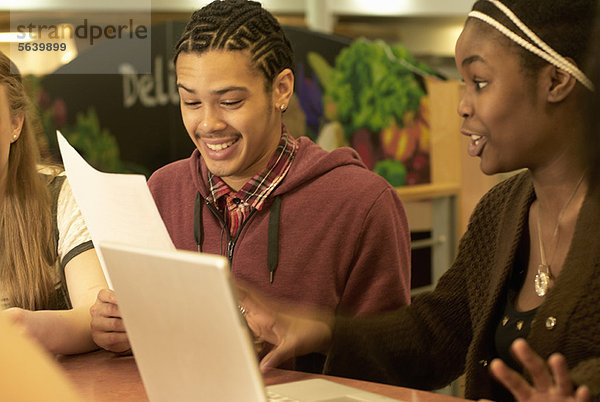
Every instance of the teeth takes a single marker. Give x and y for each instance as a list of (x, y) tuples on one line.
[(475, 137), (219, 147)]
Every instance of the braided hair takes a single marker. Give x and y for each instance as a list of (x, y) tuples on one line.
[(564, 25), (238, 25)]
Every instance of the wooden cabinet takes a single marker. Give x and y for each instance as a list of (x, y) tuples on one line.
[(456, 185)]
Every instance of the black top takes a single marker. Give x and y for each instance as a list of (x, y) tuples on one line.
[(514, 324)]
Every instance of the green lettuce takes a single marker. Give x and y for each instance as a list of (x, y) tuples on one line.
[(373, 84)]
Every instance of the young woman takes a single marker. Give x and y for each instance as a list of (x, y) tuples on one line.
[(525, 267), (50, 274)]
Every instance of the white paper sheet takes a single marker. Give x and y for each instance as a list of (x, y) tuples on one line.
[(116, 207)]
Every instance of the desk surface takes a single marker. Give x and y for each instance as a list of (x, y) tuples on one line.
[(102, 376)]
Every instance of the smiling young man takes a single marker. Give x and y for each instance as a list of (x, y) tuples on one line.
[(301, 225)]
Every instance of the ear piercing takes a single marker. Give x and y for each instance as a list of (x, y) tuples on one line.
[(282, 107), (15, 137)]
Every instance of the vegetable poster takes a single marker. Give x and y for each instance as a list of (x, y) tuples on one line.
[(371, 97)]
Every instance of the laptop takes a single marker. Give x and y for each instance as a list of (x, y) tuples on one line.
[(189, 339)]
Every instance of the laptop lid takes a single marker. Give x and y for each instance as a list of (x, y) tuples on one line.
[(189, 340)]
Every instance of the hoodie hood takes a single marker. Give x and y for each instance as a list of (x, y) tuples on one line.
[(310, 162)]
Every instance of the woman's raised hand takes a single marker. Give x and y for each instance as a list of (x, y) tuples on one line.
[(291, 331), (551, 381)]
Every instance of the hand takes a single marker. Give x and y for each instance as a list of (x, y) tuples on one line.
[(291, 333), (107, 326), (548, 385)]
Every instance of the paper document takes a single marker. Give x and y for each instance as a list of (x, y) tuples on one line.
[(116, 207)]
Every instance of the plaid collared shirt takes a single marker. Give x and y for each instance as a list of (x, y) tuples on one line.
[(237, 206)]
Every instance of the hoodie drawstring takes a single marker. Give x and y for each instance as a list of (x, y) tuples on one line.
[(272, 235), (273, 238), (198, 226)]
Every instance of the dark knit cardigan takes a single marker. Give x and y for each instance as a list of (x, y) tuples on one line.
[(449, 331)]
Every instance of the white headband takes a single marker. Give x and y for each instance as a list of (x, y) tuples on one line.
[(542, 49)]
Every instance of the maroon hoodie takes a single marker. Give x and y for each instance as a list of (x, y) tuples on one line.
[(341, 243)]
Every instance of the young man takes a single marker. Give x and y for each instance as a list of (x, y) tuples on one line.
[(299, 224)]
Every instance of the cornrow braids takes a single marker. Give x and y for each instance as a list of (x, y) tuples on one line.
[(238, 25), (564, 25)]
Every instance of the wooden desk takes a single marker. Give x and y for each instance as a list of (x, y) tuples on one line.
[(102, 376)]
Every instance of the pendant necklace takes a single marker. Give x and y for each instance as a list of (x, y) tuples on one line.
[(544, 275)]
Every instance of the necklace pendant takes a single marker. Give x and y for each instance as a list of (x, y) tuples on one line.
[(542, 281)]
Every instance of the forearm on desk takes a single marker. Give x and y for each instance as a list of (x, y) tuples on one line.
[(62, 331)]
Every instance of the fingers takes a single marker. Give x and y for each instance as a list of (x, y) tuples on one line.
[(560, 371), (107, 324), (562, 380), (108, 330), (112, 341), (262, 328), (277, 356), (109, 333), (107, 296), (260, 319), (511, 380), (583, 394), (550, 380), (293, 331), (534, 364), (105, 305)]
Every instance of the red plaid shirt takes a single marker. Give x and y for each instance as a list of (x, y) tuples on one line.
[(236, 206)]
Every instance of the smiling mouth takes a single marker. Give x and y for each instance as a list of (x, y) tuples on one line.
[(221, 146)]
